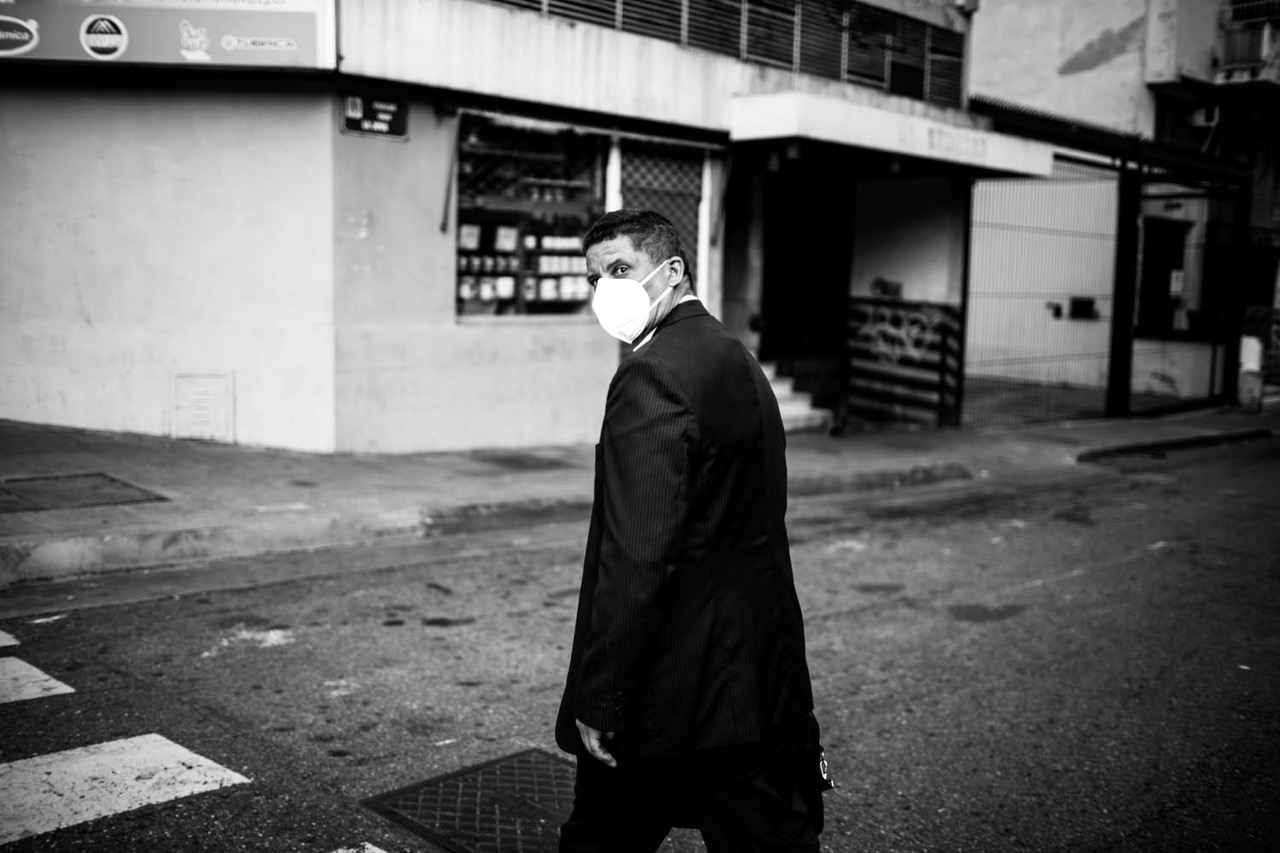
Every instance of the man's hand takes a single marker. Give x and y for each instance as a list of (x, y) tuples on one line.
[(593, 740)]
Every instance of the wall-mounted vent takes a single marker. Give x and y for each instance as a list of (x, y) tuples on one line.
[(204, 406)]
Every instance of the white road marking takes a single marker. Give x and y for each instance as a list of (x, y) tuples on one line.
[(20, 680), (7, 639), (363, 848), (49, 792)]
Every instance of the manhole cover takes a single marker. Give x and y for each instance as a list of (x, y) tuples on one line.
[(69, 491), (516, 803)]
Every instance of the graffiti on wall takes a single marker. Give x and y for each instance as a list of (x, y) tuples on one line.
[(901, 332)]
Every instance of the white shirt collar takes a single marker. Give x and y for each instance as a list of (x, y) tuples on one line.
[(688, 297)]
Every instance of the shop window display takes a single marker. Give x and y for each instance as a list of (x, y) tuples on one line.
[(527, 192)]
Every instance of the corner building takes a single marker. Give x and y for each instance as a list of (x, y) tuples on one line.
[(266, 228)]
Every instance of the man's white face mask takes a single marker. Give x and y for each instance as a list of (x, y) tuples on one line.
[(622, 305)]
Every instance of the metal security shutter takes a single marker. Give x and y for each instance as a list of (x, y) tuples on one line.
[(716, 25), (822, 34), (944, 80), (602, 12), (771, 32), (666, 179), (660, 19)]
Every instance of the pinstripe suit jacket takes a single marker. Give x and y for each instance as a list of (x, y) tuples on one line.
[(689, 633)]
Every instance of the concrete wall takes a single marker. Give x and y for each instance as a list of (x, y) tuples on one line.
[(1037, 244), (1182, 369), (411, 375), (153, 236), (517, 53), (1181, 37), (910, 230), (1082, 59)]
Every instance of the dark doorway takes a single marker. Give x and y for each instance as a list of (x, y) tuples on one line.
[(807, 260), (1164, 249)]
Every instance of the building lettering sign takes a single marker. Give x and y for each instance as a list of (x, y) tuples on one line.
[(782, 115), (375, 116), (266, 33)]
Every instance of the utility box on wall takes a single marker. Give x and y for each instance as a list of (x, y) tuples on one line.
[(204, 406)]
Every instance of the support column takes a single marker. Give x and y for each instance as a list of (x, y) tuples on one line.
[(1124, 292)]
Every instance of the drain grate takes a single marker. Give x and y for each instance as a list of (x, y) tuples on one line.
[(69, 491), (516, 803)]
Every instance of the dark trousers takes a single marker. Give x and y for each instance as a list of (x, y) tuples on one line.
[(755, 797)]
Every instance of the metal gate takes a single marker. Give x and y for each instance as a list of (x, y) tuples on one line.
[(1041, 279)]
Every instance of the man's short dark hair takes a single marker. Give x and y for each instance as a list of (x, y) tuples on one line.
[(650, 232)]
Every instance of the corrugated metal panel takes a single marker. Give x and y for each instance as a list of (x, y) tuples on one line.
[(602, 12), (660, 19), (1036, 245), (716, 25), (771, 32), (822, 34)]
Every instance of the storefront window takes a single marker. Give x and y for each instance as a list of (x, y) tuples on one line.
[(527, 192)]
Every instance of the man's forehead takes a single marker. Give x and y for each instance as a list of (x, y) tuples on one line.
[(607, 251)]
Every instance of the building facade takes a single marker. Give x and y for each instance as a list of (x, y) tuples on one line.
[(1178, 95), (264, 228)]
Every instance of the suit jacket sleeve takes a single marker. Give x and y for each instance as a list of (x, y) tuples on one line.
[(647, 442)]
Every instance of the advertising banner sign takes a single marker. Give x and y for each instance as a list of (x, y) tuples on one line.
[(270, 33)]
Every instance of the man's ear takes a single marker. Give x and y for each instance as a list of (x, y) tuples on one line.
[(676, 265)]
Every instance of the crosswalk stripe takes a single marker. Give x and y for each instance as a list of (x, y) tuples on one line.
[(58, 790), (20, 680), (7, 639)]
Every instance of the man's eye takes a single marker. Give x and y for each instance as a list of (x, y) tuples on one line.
[(621, 271)]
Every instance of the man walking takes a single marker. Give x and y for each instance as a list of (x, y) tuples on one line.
[(688, 700)]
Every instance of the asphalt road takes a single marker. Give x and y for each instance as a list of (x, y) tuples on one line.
[(1080, 668)]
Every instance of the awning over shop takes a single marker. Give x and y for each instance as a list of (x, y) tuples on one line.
[(783, 115)]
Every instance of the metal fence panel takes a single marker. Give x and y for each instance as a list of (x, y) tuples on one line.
[(1041, 283)]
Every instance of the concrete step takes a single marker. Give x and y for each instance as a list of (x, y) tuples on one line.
[(817, 420), (796, 408)]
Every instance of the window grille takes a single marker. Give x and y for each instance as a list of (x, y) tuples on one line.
[(838, 39), (870, 37), (716, 25), (602, 12), (907, 50), (771, 26), (666, 179), (944, 84), (823, 29), (661, 19)]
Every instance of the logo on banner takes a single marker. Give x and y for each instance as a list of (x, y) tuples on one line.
[(194, 41), (104, 36), (17, 36)]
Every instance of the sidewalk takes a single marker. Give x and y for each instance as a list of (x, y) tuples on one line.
[(210, 502)]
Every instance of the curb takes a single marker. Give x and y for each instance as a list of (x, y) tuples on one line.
[(1181, 442), (59, 557)]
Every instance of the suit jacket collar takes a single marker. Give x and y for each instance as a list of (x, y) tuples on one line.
[(683, 311)]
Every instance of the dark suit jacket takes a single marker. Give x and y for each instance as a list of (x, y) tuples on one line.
[(689, 633)]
